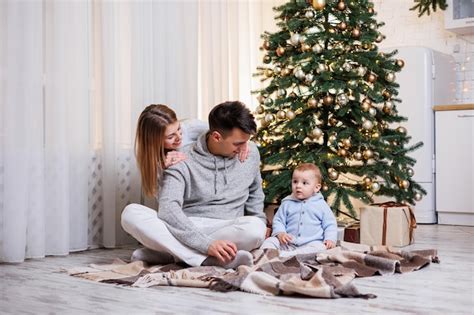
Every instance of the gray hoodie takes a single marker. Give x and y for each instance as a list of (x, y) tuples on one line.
[(210, 186)]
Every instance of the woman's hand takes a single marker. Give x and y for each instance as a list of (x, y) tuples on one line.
[(244, 152), (174, 157)]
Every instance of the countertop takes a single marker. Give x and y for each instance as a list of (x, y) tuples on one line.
[(439, 108)]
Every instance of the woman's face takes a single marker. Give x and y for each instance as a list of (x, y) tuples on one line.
[(173, 136)]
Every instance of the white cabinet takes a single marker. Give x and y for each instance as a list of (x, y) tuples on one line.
[(459, 16), (454, 166)]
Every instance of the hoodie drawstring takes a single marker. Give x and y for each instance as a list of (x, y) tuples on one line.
[(215, 175), (225, 173)]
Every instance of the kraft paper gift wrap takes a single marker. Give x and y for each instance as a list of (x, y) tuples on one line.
[(387, 223)]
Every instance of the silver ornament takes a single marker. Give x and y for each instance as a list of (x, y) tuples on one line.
[(402, 130), (347, 67), (269, 118), (317, 48), (418, 196), (388, 104), (316, 133), (309, 14), (410, 172), (390, 77), (361, 71), (290, 114), (342, 99), (295, 39), (309, 78), (282, 93), (372, 112), (321, 68), (299, 74), (268, 101), (375, 187), (259, 109), (277, 70), (367, 125)]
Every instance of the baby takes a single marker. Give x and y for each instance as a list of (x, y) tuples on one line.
[(304, 223)]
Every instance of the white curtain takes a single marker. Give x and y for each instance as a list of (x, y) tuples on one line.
[(75, 76)]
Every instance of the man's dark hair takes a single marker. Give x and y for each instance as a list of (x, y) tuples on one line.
[(229, 115)]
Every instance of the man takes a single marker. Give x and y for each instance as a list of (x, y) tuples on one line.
[(211, 204)]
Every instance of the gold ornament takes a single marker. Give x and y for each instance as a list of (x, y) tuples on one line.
[(333, 174), (368, 154), (355, 33), (402, 130), (290, 114), (261, 99), (404, 184), (331, 30), (325, 187), (371, 10), (305, 47), (375, 135), (332, 138), (276, 70), (280, 51), (266, 45), (366, 46), (268, 73), (418, 196), (260, 110), (375, 187), (372, 77), (264, 183), (267, 59), (328, 100), (342, 152), (342, 26), (379, 38), (281, 114), (312, 102), (341, 6), (400, 63), (332, 121), (285, 72), (346, 143), (367, 181), (318, 4), (386, 94)]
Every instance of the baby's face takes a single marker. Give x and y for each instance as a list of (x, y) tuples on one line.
[(304, 184)]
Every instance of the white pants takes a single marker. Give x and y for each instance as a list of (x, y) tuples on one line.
[(291, 249), (143, 224)]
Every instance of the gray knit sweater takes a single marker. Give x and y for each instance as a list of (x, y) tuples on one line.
[(206, 185)]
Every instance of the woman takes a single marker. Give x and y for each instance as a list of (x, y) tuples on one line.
[(158, 139)]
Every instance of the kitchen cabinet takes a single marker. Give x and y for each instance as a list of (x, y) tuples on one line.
[(454, 150)]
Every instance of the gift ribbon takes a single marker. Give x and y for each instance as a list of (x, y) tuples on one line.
[(411, 220)]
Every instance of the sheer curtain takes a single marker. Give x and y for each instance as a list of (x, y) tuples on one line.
[(75, 76)]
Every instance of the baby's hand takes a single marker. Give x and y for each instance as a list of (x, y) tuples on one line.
[(329, 244), (284, 238)]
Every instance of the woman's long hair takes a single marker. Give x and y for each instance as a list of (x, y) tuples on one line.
[(149, 145)]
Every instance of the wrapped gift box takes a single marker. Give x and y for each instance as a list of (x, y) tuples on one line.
[(352, 233), (387, 223)]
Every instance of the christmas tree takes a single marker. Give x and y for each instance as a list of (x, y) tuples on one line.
[(330, 98)]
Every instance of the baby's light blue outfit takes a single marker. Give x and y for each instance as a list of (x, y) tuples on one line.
[(310, 222)]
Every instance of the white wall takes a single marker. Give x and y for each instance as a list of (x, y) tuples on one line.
[(404, 28)]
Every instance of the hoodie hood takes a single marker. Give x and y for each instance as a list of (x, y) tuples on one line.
[(219, 165)]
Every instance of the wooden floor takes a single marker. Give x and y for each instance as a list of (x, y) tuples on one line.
[(37, 287)]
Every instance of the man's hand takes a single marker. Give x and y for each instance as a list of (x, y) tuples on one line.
[(224, 251), (329, 244), (284, 238)]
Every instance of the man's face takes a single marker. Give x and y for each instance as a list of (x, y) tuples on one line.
[(231, 144)]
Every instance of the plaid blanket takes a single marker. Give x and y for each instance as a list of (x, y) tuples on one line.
[(325, 275)]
